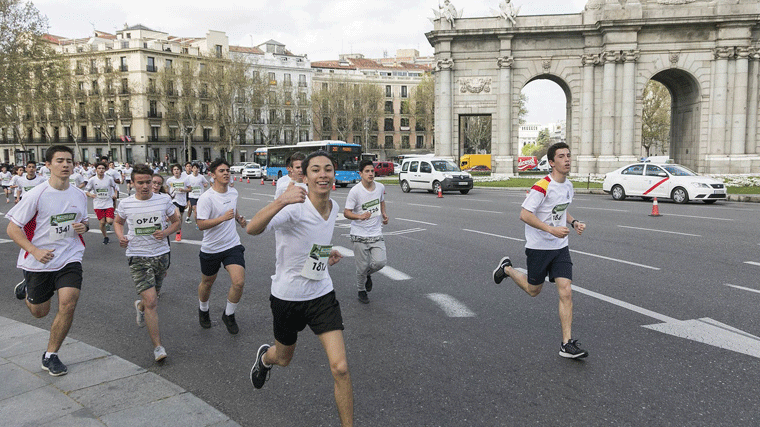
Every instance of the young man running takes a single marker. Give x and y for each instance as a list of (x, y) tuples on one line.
[(216, 217), (47, 224), (102, 188), (127, 174), (151, 218), (302, 290), (197, 183), (293, 164), (365, 206), (178, 189), (545, 215), (6, 177), (25, 183)]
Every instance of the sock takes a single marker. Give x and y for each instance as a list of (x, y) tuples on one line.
[(230, 308), (48, 354), (203, 305), (262, 361)]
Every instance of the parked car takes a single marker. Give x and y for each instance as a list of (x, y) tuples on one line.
[(252, 170), (479, 168), (396, 168), (238, 167), (383, 168), (433, 174), (664, 180)]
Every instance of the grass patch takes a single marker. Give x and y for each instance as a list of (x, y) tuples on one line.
[(743, 190)]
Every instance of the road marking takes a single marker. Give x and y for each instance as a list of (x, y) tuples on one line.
[(479, 200), (344, 251), (191, 242), (494, 235), (480, 210), (752, 263), (5, 241), (97, 230), (702, 217), (386, 271), (599, 209), (423, 206), (413, 220), (451, 306), (743, 288), (615, 259), (659, 231), (396, 233), (248, 198)]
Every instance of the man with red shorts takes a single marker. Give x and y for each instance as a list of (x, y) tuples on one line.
[(102, 189)]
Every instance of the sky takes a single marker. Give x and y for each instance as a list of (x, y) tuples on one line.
[(320, 29)]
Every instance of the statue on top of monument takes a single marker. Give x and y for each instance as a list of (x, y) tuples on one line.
[(447, 11), (507, 11)]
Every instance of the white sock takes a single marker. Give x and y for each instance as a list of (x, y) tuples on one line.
[(230, 308), (203, 305), (48, 354)]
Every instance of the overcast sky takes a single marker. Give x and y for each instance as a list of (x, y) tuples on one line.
[(320, 29)]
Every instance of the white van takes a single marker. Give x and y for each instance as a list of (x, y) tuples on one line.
[(543, 165), (432, 174)]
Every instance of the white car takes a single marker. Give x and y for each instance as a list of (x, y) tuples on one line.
[(252, 170), (433, 174), (238, 167), (663, 180), (396, 168)]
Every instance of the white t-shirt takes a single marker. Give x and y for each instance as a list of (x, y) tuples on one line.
[(47, 215), (174, 185), (213, 205), (103, 190), (76, 179), (197, 182), (6, 178), (298, 227), (549, 201), (361, 200), (282, 185), (88, 173), (114, 174), (25, 184), (45, 172), (127, 174), (143, 218)]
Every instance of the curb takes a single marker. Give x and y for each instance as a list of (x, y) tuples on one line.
[(745, 198)]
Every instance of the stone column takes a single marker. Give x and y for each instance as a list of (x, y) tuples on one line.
[(504, 145), (739, 121), (629, 102), (752, 111), (444, 144), (587, 105), (608, 103), (720, 89)]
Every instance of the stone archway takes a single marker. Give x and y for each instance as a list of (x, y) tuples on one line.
[(684, 116), (568, 103)]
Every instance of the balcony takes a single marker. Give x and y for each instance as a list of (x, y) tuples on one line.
[(108, 69), (301, 84), (152, 68), (203, 94), (124, 91), (155, 115), (93, 70), (152, 90), (172, 93), (81, 93), (124, 68), (125, 115), (79, 72), (94, 92)]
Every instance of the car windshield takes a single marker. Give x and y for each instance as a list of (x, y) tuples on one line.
[(445, 166), (678, 170)]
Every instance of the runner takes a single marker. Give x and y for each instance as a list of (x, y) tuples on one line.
[(44, 172), (127, 174), (6, 176), (25, 183), (77, 180), (18, 172), (365, 206), (158, 184), (48, 225), (148, 215), (178, 189), (197, 184), (102, 188), (188, 170), (216, 217), (293, 165), (545, 215), (302, 290)]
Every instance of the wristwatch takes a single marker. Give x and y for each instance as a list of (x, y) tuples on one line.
[(572, 223)]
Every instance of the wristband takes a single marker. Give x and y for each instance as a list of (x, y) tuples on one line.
[(572, 223)]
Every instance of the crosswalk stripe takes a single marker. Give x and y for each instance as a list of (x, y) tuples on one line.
[(386, 271), (451, 306)]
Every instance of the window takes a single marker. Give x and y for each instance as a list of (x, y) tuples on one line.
[(202, 69), (403, 92), (272, 97), (653, 170), (420, 142), (154, 133), (126, 130), (302, 98), (152, 64), (125, 109), (373, 141), (124, 86), (286, 80), (168, 65), (404, 141), (272, 79), (93, 66), (206, 135), (413, 167), (389, 107), (388, 124), (123, 64), (404, 123), (288, 115), (218, 50), (272, 116), (302, 80), (388, 92), (324, 86), (425, 167), (633, 170), (389, 144), (153, 111)]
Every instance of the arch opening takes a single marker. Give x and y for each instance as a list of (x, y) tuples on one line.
[(546, 110)]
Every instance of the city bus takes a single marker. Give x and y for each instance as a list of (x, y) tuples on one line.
[(260, 157), (346, 155)]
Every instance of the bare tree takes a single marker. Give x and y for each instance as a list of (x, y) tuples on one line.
[(655, 119), (179, 95), (345, 106), (230, 90), (477, 134), (423, 104)]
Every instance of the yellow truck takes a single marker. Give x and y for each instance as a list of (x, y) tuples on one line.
[(471, 160)]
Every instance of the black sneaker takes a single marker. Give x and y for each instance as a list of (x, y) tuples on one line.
[(105, 240), (498, 273), (259, 372), (368, 284), (229, 322), (204, 318), (363, 297), (572, 350), (20, 289), (53, 365)]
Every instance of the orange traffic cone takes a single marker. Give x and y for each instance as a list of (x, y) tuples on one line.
[(248, 180), (440, 193), (262, 180), (655, 208), (333, 185), (274, 183)]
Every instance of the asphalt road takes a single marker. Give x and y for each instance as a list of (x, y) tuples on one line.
[(440, 344)]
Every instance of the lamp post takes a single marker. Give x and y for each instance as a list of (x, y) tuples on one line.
[(297, 117)]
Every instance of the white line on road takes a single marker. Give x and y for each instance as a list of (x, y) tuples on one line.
[(423, 206), (386, 271), (659, 231), (743, 288), (599, 209), (479, 200), (5, 241), (344, 251), (752, 263), (396, 233), (615, 259), (249, 198), (480, 210), (494, 235), (451, 306), (414, 220), (191, 242), (701, 217)]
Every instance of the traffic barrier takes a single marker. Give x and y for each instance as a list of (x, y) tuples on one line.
[(655, 208)]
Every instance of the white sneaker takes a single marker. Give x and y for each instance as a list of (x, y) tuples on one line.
[(140, 318), (187, 220), (159, 353)]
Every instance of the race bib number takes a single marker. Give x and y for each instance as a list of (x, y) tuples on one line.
[(29, 188), (177, 185), (102, 193), (6, 182), (315, 267), (61, 226), (145, 224), (558, 214), (373, 207), (196, 192)]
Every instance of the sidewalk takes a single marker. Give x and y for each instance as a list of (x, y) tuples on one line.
[(100, 389)]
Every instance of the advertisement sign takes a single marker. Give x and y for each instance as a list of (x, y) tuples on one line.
[(525, 163)]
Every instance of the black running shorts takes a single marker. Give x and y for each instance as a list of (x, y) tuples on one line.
[(554, 262), (180, 207), (41, 285), (290, 317), (210, 263)]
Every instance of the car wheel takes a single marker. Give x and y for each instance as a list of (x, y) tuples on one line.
[(618, 193), (646, 198), (436, 187), (679, 195), (405, 187), (709, 202), (464, 191)]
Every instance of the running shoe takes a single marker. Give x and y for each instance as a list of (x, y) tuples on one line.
[(20, 289), (159, 353), (230, 323), (179, 237), (53, 365), (105, 240), (368, 284), (259, 372), (363, 298), (498, 273), (204, 318), (140, 317), (187, 220), (572, 350)]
